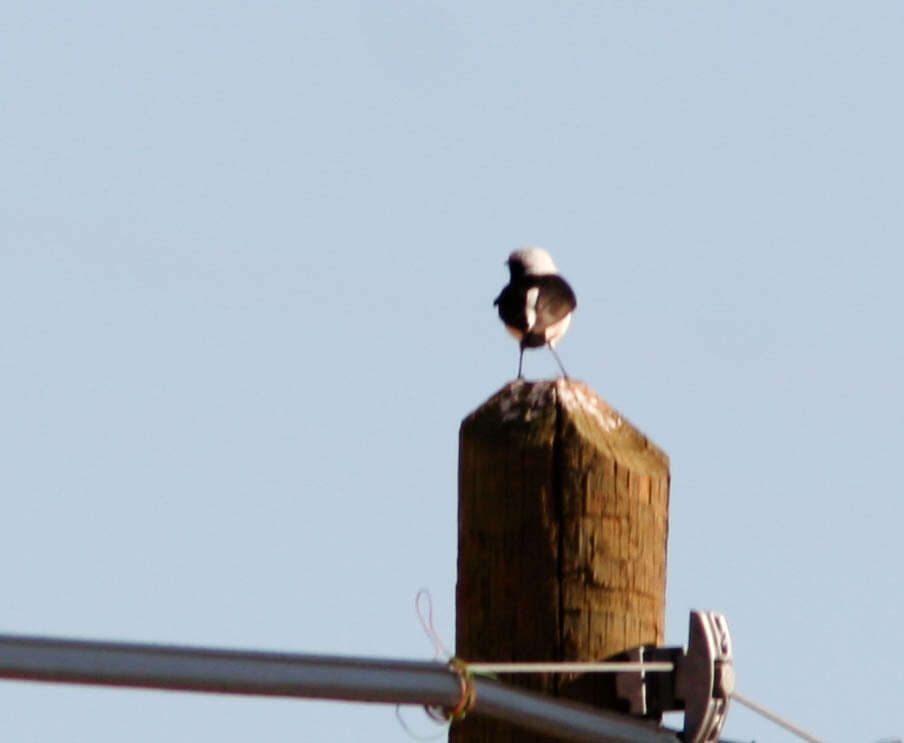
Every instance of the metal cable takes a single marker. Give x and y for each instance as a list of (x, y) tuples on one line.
[(610, 667), (789, 726)]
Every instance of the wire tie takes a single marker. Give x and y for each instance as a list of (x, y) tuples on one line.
[(468, 692)]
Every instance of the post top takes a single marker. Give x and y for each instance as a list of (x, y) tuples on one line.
[(554, 402)]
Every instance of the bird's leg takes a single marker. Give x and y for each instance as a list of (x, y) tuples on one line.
[(558, 360), (520, 360)]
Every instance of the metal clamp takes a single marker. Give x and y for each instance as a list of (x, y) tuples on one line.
[(701, 682)]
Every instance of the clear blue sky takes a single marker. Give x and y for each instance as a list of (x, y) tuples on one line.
[(248, 257)]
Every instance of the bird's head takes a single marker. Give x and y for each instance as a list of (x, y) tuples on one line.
[(530, 261)]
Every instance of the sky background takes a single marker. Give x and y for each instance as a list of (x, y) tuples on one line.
[(248, 257)]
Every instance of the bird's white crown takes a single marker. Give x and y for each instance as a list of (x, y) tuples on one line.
[(535, 261)]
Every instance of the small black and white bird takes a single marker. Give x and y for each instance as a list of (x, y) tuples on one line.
[(536, 305)]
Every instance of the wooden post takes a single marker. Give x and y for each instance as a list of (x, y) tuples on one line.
[(563, 521)]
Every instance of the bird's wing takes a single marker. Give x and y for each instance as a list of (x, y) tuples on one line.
[(511, 308), (554, 301)]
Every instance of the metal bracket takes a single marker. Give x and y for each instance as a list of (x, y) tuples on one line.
[(701, 682)]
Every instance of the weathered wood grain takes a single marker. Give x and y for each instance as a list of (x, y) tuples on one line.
[(563, 523)]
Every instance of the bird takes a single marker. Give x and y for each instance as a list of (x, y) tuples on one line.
[(536, 305)]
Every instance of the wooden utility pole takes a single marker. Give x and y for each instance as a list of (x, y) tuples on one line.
[(563, 522)]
